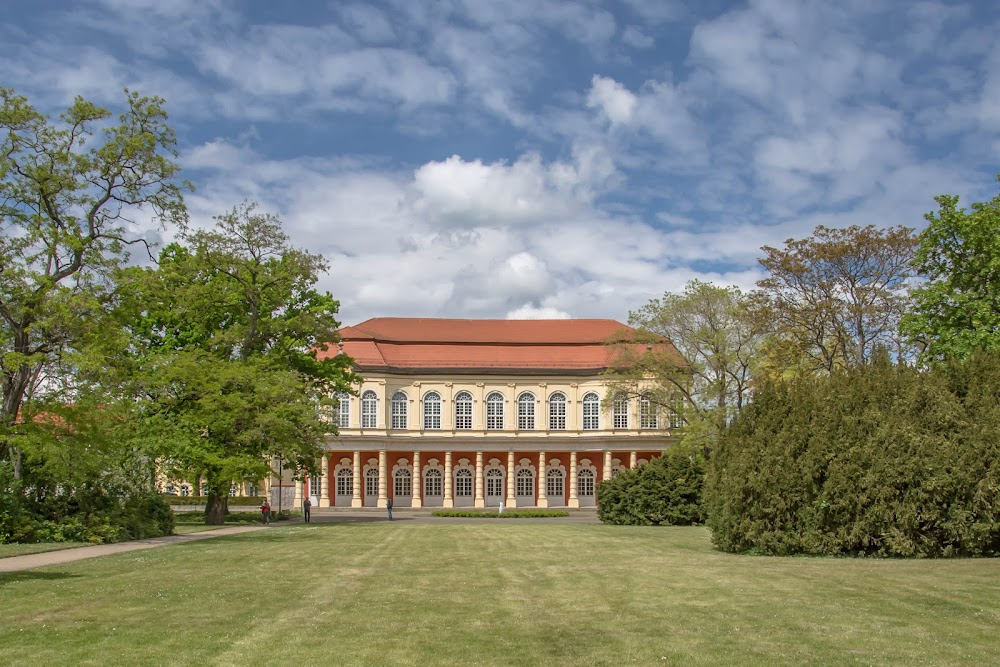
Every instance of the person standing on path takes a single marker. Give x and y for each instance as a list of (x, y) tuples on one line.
[(265, 509), (306, 505), (388, 507)]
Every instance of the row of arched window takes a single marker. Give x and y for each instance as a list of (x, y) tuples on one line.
[(496, 418)]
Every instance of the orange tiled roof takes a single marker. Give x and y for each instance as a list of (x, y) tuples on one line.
[(427, 343)]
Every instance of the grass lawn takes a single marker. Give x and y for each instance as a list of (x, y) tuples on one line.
[(8, 550), (496, 593)]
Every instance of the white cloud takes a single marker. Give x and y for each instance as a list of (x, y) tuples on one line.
[(637, 38), (531, 312), (613, 100)]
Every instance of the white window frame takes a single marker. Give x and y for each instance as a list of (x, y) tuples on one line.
[(315, 485), (557, 411), (526, 412), (369, 409), (648, 413), (464, 478), (591, 412), (463, 410), (345, 482), (399, 409), (343, 410), (494, 411), (551, 476), (586, 481), (433, 483), (525, 483), (402, 483), (619, 414), (432, 410)]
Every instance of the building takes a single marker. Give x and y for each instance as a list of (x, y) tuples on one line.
[(475, 413)]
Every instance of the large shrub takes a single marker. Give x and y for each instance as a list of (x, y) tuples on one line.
[(884, 460), (665, 491)]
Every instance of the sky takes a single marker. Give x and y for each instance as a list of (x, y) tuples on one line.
[(540, 158)]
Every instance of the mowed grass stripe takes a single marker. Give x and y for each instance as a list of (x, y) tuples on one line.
[(496, 594)]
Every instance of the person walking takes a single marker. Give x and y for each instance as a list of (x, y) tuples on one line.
[(388, 507), (265, 510), (306, 505)]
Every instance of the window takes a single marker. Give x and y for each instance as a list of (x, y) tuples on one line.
[(677, 413), (494, 483), (557, 412), (494, 411), (185, 490), (251, 489), (432, 483), (585, 482), (554, 483), (619, 413), (371, 482), (343, 410), (369, 410), (432, 410), (463, 410), (463, 483), (526, 411), (647, 413), (403, 483), (399, 410), (525, 482), (345, 482), (315, 485), (591, 412)]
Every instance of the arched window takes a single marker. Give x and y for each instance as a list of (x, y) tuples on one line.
[(343, 410), (399, 405), (403, 483), (494, 484), (369, 409), (432, 410), (463, 410), (494, 411), (345, 482), (554, 487), (432, 482), (647, 413), (463, 483), (526, 411), (525, 482), (557, 412), (677, 413), (619, 413), (371, 483), (585, 482), (591, 412)]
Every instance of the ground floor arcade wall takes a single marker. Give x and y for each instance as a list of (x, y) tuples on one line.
[(368, 478)]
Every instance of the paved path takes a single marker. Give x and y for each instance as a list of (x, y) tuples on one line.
[(30, 561), (325, 515)]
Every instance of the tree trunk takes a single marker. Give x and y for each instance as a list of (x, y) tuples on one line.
[(216, 508)]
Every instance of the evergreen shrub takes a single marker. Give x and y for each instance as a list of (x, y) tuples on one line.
[(884, 460), (666, 491)]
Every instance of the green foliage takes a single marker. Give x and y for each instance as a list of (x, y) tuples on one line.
[(255, 501), (882, 460), (33, 513), (507, 514), (666, 491), (957, 310)]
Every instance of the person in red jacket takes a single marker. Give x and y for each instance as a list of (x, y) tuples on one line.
[(265, 509)]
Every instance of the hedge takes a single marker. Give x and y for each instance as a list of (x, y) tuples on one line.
[(886, 460), (666, 491)]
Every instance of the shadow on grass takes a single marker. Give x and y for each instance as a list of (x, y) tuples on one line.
[(31, 575)]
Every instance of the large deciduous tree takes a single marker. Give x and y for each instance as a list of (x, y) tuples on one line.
[(68, 202), (705, 373), (836, 297), (227, 335), (957, 310)]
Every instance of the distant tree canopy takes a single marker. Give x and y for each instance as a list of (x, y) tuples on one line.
[(836, 297), (957, 310)]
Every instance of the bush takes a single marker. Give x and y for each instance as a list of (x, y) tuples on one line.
[(666, 491), (885, 460)]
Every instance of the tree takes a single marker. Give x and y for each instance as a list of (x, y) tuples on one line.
[(705, 374), (837, 296), (65, 213), (227, 332), (957, 310)]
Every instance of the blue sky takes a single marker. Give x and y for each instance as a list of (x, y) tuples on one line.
[(493, 158)]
